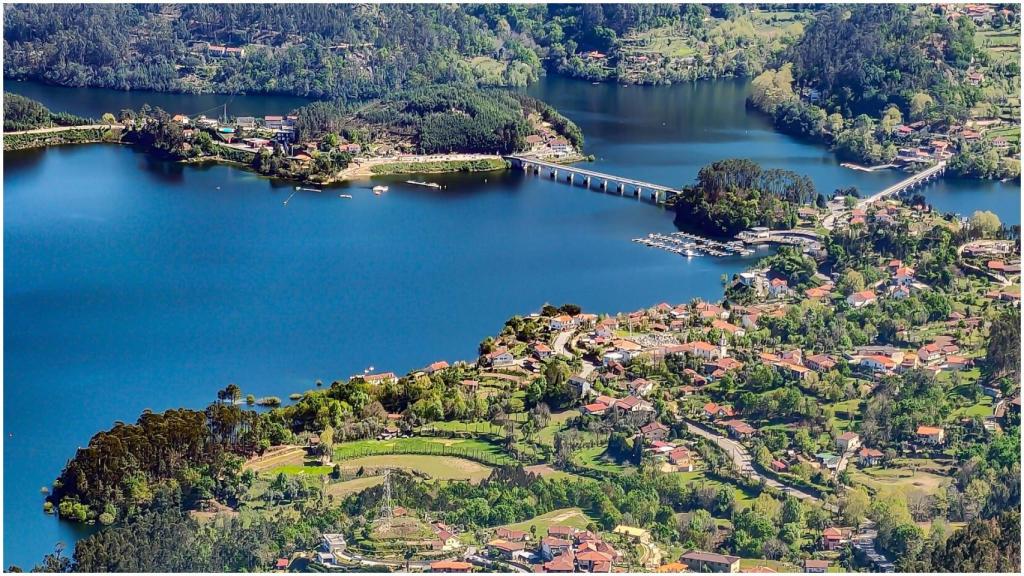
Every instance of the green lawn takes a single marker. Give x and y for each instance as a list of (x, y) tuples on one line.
[(593, 458), (472, 449), (480, 427), (546, 435), (981, 409), (297, 470), (574, 517)]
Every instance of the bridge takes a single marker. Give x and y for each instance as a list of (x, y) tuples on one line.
[(906, 184), (570, 174)]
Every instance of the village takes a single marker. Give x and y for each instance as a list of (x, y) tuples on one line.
[(725, 396), (252, 136)]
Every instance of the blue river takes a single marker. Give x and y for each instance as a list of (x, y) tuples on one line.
[(132, 283)]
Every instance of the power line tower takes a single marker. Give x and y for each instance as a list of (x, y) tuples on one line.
[(386, 513)]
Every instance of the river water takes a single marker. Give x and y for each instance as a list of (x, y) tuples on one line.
[(131, 283)]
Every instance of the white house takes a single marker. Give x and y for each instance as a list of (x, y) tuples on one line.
[(848, 441), (563, 322), (500, 357)]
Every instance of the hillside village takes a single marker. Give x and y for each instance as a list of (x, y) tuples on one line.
[(750, 402)]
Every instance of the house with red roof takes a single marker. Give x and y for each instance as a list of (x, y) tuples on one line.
[(862, 298), (931, 435), (867, 457), (833, 538), (654, 431), (712, 410)]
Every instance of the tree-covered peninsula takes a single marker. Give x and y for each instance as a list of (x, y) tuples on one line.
[(734, 195), (437, 128)]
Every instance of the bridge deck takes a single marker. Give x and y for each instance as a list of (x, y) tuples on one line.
[(593, 174)]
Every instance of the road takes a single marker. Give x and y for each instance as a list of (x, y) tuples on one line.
[(742, 461), (64, 129), (559, 347), (904, 184)]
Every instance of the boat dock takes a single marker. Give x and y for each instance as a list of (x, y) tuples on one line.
[(689, 245)]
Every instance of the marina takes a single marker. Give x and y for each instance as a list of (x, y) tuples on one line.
[(691, 245)]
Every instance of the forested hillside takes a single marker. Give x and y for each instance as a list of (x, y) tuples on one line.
[(361, 50), (864, 59), (878, 80), (22, 113)]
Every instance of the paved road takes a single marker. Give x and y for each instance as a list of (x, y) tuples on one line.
[(559, 344), (64, 129), (742, 461)]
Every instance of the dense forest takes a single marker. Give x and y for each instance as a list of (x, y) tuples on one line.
[(864, 59), (364, 50), (22, 113), (858, 72), (451, 119), (733, 195), (318, 50)]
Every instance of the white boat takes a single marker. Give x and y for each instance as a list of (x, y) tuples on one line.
[(378, 189), (427, 184), (308, 189), (346, 196)]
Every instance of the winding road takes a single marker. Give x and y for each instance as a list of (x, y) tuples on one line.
[(741, 459)]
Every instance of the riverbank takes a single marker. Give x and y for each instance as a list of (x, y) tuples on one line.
[(61, 135), (362, 168)]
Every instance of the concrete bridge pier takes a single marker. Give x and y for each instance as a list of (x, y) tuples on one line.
[(621, 188), (604, 185), (536, 170), (586, 182), (569, 178), (638, 192), (554, 174)]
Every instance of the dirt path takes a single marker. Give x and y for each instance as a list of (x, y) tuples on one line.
[(63, 129), (283, 456)]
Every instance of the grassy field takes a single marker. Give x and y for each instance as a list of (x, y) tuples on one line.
[(480, 427), (276, 457), (293, 469), (981, 409), (437, 467), (901, 480), (748, 563), (439, 166), (552, 474), (342, 489), (665, 41), (744, 499), (471, 449), (574, 517), (593, 458), (546, 435)]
